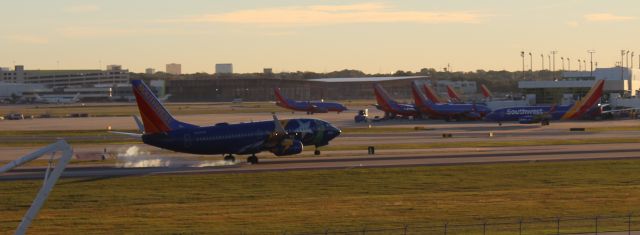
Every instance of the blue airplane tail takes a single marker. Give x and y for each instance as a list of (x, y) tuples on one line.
[(155, 117)]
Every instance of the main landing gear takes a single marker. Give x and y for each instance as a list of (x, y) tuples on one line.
[(252, 159), (316, 151), (229, 158)]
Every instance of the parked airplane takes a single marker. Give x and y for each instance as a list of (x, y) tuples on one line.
[(281, 137), (310, 107), (447, 111), (390, 107), (453, 95), (57, 99), (431, 95), (486, 93), (534, 114)]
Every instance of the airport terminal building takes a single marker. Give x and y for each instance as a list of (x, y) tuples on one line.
[(92, 84), (261, 89), (574, 84)]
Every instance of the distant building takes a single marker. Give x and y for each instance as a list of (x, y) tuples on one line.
[(261, 89), (149, 71), (267, 71), (618, 80), (173, 68), (224, 68), (66, 78)]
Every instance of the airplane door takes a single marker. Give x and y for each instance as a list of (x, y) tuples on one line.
[(187, 141)]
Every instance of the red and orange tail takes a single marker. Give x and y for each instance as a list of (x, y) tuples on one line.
[(155, 117), (485, 91), (453, 94), (431, 94), (382, 97), (587, 102)]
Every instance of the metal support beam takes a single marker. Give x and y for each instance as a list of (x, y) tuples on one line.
[(51, 177)]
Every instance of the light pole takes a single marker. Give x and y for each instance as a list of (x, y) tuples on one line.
[(591, 60), (562, 59), (569, 62), (579, 65), (531, 63), (631, 60), (542, 63), (621, 65), (554, 61), (585, 64), (523, 75)]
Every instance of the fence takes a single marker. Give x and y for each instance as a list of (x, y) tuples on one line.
[(620, 224)]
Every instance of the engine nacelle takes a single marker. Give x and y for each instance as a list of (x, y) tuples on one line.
[(287, 147)]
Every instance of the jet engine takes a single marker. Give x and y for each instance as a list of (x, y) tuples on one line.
[(287, 147)]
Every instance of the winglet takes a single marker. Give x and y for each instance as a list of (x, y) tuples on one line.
[(139, 124)]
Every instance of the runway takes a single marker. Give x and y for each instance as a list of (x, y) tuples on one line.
[(407, 159)]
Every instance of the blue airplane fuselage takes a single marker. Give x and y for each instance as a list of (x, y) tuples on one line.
[(243, 138), (526, 112)]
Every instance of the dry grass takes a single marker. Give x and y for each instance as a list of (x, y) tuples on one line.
[(301, 201)]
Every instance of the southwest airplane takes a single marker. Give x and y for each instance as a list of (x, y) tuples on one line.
[(281, 137), (447, 111), (431, 95), (534, 114), (486, 93), (390, 107), (310, 107), (453, 95)]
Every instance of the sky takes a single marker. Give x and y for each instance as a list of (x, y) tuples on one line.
[(318, 36)]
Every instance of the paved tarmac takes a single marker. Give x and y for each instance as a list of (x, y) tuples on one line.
[(408, 159)]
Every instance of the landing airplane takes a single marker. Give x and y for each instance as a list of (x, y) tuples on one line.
[(57, 99), (447, 111), (280, 137), (535, 114), (390, 107), (310, 107)]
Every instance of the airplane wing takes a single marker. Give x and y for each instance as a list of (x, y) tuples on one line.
[(134, 135), (620, 110)]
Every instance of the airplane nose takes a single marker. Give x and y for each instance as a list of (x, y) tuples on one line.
[(332, 132)]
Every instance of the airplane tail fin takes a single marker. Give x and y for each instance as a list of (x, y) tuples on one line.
[(282, 100), (155, 117), (431, 94), (485, 91), (453, 94), (587, 102), (382, 97), (418, 97)]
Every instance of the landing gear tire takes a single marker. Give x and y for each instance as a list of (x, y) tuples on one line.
[(229, 158), (252, 159), (316, 152)]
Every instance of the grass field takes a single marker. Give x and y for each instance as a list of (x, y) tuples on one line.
[(270, 203)]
